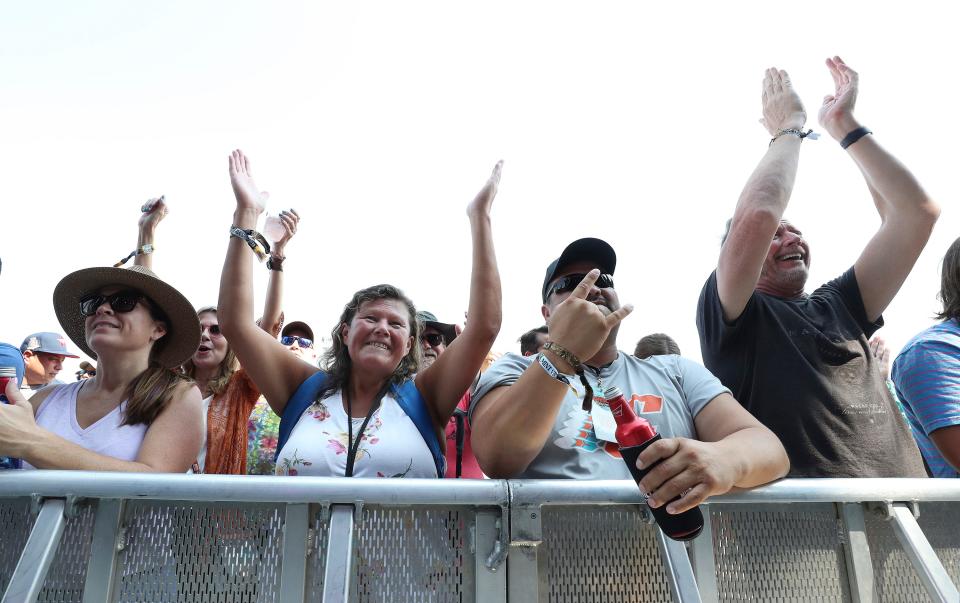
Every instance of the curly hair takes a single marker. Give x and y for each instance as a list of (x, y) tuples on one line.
[(950, 283), (336, 360)]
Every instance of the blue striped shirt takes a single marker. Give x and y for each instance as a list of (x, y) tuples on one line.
[(927, 376)]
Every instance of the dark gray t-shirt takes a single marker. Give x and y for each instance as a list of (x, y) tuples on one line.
[(668, 391)]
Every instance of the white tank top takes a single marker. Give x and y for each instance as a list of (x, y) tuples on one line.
[(58, 415), (391, 445)]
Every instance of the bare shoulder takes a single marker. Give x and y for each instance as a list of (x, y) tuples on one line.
[(42, 394)]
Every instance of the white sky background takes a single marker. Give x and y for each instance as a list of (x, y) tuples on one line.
[(378, 123)]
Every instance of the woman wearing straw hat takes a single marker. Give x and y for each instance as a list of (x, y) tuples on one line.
[(138, 413), (368, 412)]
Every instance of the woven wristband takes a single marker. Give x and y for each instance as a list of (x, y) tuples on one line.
[(854, 136)]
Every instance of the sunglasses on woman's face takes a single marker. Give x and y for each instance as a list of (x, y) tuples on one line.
[(120, 302), (434, 339), (570, 282), (303, 342)]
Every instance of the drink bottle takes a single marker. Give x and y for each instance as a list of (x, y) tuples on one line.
[(634, 434), (7, 374)]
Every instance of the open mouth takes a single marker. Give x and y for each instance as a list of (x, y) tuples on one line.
[(379, 345), (204, 349), (790, 257)]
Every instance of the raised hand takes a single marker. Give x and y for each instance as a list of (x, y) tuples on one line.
[(289, 220), (249, 197), (154, 211), (782, 108), (480, 206), (582, 326), (880, 351), (836, 113)]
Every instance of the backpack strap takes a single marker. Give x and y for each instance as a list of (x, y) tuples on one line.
[(300, 401), (409, 399)]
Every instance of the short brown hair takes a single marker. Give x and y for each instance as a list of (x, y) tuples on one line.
[(656, 344)]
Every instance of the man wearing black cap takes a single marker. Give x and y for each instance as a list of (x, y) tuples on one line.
[(528, 418)]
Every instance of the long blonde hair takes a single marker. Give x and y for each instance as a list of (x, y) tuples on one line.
[(149, 393)]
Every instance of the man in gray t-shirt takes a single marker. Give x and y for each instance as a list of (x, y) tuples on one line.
[(528, 418)]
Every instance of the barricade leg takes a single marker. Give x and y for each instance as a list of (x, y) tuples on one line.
[(683, 585), (339, 566), (931, 571), (293, 573), (102, 568), (856, 552), (31, 570)]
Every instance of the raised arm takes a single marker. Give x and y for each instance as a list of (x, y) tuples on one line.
[(273, 305), (446, 380), (152, 213), (511, 424), (275, 371), (907, 214), (764, 198), (170, 445)]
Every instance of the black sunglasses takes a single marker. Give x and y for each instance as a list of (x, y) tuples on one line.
[(303, 342), (122, 302), (434, 339), (570, 282)]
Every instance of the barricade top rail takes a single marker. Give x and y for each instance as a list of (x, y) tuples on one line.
[(267, 489)]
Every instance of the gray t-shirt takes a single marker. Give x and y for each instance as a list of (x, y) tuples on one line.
[(668, 391)]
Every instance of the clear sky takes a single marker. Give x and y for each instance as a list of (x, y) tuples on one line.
[(379, 121)]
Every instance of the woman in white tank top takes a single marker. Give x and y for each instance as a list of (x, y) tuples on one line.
[(356, 425), (138, 413)]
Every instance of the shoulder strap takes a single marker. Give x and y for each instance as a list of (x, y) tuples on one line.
[(301, 399), (409, 399)]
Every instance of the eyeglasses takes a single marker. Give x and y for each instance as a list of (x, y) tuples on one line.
[(122, 302), (214, 330), (434, 339), (570, 282), (303, 342)]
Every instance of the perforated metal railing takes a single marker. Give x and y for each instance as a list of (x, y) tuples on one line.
[(104, 537)]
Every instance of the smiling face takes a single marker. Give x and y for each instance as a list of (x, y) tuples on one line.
[(213, 345), (606, 299), (787, 265), (110, 331), (378, 336)]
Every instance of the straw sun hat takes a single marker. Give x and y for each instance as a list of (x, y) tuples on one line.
[(183, 330)]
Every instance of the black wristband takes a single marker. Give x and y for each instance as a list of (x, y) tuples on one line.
[(854, 136), (275, 264)]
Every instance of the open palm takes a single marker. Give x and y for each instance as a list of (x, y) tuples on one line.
[(838, 107)]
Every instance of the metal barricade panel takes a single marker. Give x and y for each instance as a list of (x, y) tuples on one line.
[(789, 552), (895, 578), (414, 555), (601, 554), (940, 523), (68, 571), (16, 521), (213, 552)]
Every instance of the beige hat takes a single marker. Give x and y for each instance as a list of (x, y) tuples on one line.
[(183, 332)]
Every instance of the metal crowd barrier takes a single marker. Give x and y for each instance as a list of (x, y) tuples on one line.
[(109, 537)]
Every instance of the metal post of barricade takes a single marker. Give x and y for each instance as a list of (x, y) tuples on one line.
[(683, 586), (338, 570), (293, 572), (526, 567), (703, 560), (31, 570), (489, 567), (856, 553), (102, 567), (924, 559)]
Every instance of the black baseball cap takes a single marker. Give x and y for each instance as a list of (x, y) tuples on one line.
[(588, 249)]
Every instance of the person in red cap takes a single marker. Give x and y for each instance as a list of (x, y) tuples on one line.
[(43, 355)]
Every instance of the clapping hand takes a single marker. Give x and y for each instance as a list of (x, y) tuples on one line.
[(836, 113), (782, 108), (480, 206), (249, 197)]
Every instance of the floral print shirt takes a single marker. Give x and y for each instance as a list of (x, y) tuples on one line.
[(390, 445)]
